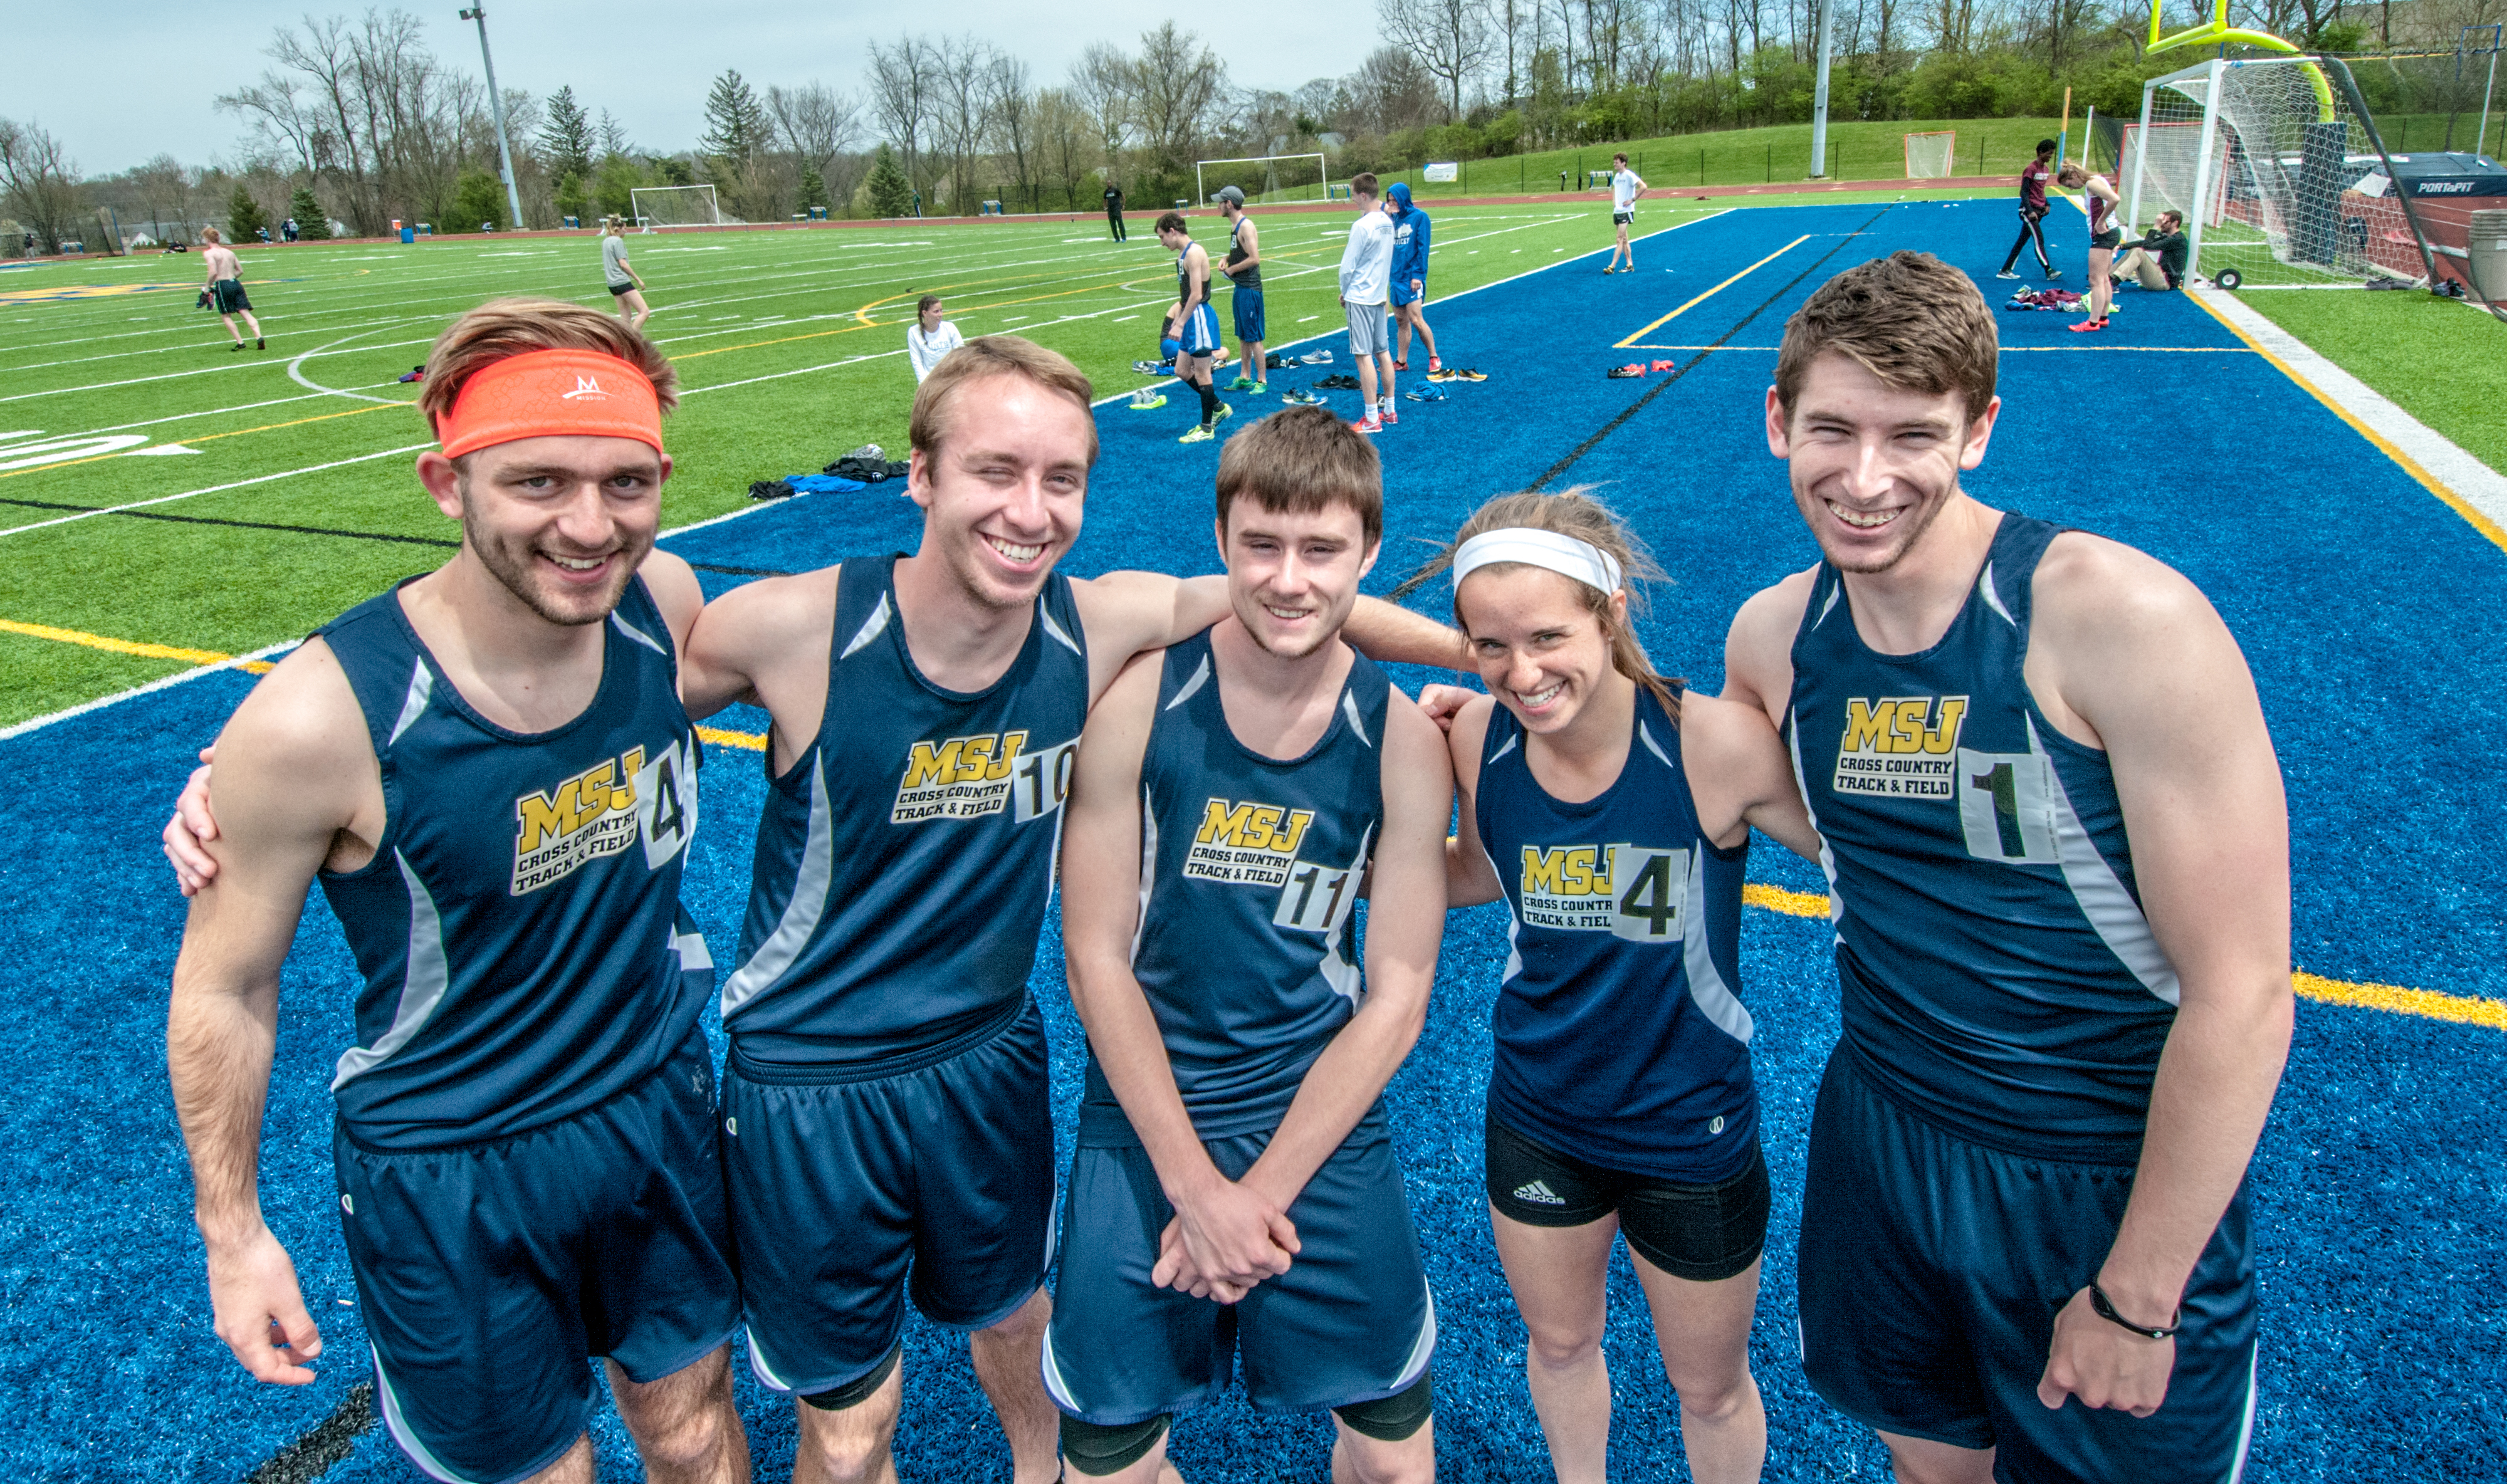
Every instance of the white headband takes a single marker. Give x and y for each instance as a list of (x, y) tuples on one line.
[(1564, 554)]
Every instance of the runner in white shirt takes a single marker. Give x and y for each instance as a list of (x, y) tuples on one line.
[(1624, 186), (930, 337)]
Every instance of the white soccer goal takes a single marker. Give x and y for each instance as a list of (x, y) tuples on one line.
[(1264, 178), (1931, 155), (680, 207), (2276, 166)]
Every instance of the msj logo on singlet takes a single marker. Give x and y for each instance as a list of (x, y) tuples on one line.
[(1901, 748), (603, 810), (1578, 888), (968, 778), (1255, 845)]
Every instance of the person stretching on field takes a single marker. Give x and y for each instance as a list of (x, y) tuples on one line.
[(225, 287), (1410, 278), (2032, 213), (2105, 235), (1365, 292), (626, 285), (1244, 269), (1234, 1197), (1625, 184), (1622, 1103), (1196, 324)]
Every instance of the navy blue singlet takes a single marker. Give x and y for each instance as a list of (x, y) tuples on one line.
[(1620, 1037), (1998, 977), (524, 954), (1250, 869), (904, 863)]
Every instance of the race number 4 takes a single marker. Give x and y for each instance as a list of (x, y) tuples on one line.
[(666, 802), (1039, 780), (1649, 894)]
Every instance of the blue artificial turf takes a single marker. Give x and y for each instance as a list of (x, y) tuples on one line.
[(2371, 614)]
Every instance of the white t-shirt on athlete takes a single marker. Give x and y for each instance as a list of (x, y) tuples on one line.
[(1367, 262), (1623, 191), (927, 350)]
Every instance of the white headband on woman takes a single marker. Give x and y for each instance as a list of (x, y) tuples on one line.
[(1562, 553)]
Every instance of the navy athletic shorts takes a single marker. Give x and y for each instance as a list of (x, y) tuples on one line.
[(1199, 331), (1350, 1321), (1248, 307), (937, 1175), (229, 296), (1401, 294), (2110, 239), (486, 1273), (1932, 1269)]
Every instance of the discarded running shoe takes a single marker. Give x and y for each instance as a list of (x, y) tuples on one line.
[(1629, 372), (1147, 399), (1665, 365), (1316, 358), (1300, 397), (1472, 375), (416, 374), (1342, 382), (1243, 383), (1275, 361), (1151, 368), (1416, 395)]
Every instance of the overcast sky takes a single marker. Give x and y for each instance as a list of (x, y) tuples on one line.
[(121, 84)]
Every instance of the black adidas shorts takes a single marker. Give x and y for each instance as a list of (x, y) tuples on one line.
[(1703, 1233)]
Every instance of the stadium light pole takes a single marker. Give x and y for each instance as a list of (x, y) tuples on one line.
[(1819, 97), (497, 104)]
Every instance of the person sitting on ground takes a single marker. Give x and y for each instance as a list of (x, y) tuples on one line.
[(929, 337), (2157, 260)]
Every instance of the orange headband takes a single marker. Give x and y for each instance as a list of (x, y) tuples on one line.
[(551, 394)]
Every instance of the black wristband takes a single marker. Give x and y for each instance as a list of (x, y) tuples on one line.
[(2106, 1308)]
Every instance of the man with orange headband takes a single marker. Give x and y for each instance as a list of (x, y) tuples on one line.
[(491, 773)]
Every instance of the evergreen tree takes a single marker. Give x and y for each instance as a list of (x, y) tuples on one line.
[(614, 189), (566, 138), (814, 187), (478, 198), (574, 198), (736, 125), (312, 223), (671, 170), (889, 194), (244, 217)]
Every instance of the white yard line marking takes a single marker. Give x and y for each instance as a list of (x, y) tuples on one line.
[(166, 499)]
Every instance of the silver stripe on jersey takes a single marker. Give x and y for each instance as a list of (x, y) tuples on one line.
[(1200, 679), (418, 1453), (872, 627), (1706, 986), (1148, 863), (1993, 600), (1509, 748), (1651, 745), (1826, 855), (692, 951), (2100, 896), (1055, 629), (422, 688), (1349, 709), (1830, 606), (423, 982), (1423, 1348), (2246, 1429), (637, 634), (801, 913)]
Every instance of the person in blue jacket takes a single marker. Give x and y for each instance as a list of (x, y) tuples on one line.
[(1410, 278)]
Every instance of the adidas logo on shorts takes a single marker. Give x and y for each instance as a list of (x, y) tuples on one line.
[(1538, 1193)]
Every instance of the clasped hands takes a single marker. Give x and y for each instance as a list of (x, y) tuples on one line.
[(1225, 1238)]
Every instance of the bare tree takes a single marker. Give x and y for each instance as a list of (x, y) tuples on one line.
[(1102, 85), (962, 117), (1177, 83), (1014, 121), (821, 127), (1067, 140), (904, 89), (1450, 38), (38, 182)]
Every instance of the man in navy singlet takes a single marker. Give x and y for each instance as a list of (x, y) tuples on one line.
[(1234, 1189), (886, 1128), (2058, 852), (489, 772)]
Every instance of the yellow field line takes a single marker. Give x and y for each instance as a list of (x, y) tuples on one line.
[(1711, 293), (749, 742), (72, 463), (2410, 465), (2429, 1004), (140, 648)]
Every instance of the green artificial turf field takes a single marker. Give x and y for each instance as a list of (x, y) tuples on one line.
[(2441, 361), (280, 479)]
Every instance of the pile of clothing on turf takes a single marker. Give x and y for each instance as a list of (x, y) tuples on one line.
[(859, 469), (2062, 301)]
